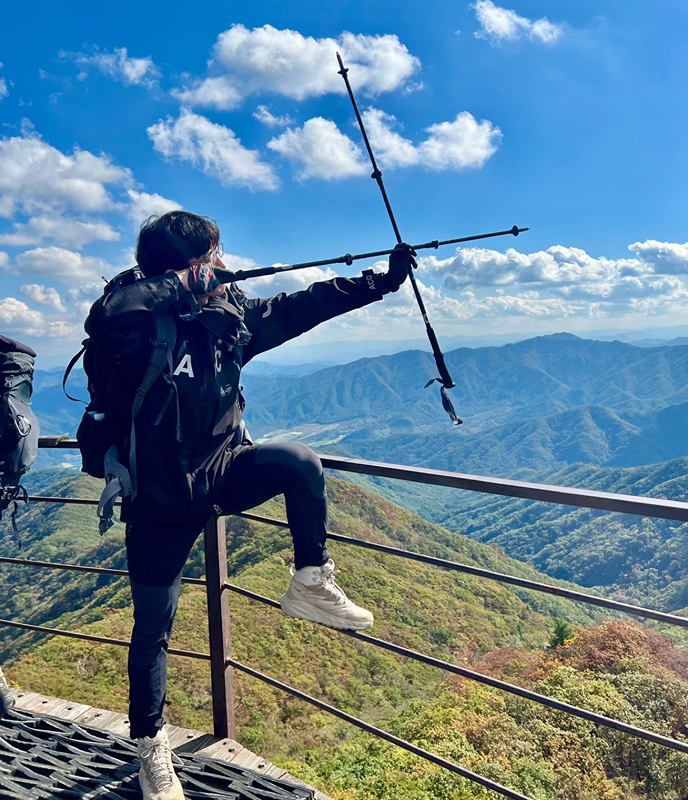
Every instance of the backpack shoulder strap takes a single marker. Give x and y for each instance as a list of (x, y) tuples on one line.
[(163, 344)]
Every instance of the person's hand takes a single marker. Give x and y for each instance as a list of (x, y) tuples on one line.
[(401, 260), (200, 280)]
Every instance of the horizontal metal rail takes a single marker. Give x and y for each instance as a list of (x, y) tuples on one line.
[(359, 723), (550, 702), (561, 495), (652, 507), (536, 586), (88, 637), (385, 645), (524, 583), (381, 734), (118, 573)]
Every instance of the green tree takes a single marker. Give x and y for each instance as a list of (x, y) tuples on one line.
[(563, 632)]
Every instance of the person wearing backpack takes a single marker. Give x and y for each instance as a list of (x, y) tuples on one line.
[(174, 342), (18, 441)]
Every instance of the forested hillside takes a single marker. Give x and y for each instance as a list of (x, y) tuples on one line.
[(637, 559), (622, 670)]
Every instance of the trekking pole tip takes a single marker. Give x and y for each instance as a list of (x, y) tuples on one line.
[(516, 230)]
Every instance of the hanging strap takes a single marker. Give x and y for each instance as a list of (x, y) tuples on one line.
[(447, 404), (8, 497), (118, 484), (68, 371)]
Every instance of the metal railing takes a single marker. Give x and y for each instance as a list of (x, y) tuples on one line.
[(218, 585)]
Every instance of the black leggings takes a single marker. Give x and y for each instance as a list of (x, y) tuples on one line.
[(156, 556)]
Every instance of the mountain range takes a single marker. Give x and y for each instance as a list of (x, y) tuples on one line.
[(540, 376), (556, 409)]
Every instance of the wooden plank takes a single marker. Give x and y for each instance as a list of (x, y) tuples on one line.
[(247, 759), (108, 720), (68, 710), (181, 736), (225, 749), (28, 700)]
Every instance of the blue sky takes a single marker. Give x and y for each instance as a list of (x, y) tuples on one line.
[(569, 117)]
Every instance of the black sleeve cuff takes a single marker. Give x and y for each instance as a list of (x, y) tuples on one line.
[(376, 281)]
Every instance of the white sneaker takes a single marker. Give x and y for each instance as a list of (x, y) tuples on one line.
[(157, 777), (7, 700), (314, 595)]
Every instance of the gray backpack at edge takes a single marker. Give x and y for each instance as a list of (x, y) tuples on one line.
[(18, 425)]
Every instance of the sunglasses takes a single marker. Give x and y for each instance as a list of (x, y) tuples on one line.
[(212, 256)]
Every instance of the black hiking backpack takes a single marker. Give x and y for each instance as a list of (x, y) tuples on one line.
[(18, 425), (107, 424)]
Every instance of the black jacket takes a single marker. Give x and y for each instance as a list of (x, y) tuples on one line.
[(174, 466)]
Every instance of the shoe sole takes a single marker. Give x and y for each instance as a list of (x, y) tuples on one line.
[(6, 705), (306, 611), (145, 788)]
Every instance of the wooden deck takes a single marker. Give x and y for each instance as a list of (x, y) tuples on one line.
[(182, 740)]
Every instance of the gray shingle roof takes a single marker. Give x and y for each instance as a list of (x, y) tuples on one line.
[(45, 757)]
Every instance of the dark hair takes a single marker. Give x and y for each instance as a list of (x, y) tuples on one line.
[(171, 240)]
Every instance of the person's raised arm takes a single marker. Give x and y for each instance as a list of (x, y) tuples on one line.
[(279, 319)]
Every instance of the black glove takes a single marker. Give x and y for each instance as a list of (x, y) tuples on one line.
[(401, 260)]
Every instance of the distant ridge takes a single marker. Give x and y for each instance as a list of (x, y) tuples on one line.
[(540, 376)]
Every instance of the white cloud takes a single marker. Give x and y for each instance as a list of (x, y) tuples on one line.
[(143, 205), (270, 285), (117, 65), (17, 317), (62, 230), (4, 258), (61, 265), (320, 150), (218, 93), (82, 297), (593, 286), (665, 257), (37, 177), (476, 266), (285, 62), (459, 144), (44, 296), (390, 147), (264, 115), (503, 24), (4, 91), (64, 329), (212, 148)]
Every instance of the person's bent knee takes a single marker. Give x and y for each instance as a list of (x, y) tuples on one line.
[(301, 459)]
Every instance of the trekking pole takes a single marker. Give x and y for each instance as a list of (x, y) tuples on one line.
[(229, 276), (445, 378)]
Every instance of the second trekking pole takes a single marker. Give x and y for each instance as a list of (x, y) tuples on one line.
[(445, 378)]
